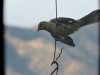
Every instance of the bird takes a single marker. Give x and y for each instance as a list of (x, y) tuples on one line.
[(60, 28)]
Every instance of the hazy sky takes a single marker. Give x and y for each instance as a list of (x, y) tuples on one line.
[(27, 13)]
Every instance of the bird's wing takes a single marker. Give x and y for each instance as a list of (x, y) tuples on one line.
[(90, 18), (67, 41), (62, 21)]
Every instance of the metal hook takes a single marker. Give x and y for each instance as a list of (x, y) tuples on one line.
[(56, 69)]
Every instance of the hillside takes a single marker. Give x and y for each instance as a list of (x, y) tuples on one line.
[(28, 52)]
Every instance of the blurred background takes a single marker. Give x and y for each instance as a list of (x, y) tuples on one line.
[(28, 52)]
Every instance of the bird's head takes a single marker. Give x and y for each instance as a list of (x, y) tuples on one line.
[(42, 25)]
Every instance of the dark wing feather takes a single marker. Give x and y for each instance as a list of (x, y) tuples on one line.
[(62, 20), (90, 18), (68, 40)]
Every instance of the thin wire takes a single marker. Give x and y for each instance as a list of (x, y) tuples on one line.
[(55, 28), (56, 8), (59, 54), (55, 60)]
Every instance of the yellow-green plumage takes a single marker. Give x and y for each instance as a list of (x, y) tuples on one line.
[(61, 28)]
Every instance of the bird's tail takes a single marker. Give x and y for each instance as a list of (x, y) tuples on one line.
[(90, 18)]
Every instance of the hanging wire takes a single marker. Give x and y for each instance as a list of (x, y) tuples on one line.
[(55, 29), (59, 54), (55, 60)]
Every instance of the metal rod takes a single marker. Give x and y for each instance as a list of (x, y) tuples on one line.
[(55, 29), (56, 8)]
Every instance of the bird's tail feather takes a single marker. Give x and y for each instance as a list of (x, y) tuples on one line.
[(90, 18)]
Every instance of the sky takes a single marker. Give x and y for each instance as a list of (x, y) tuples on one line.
[(28, 13)]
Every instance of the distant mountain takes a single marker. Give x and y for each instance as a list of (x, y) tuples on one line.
[(29, 52), (24, 34)]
